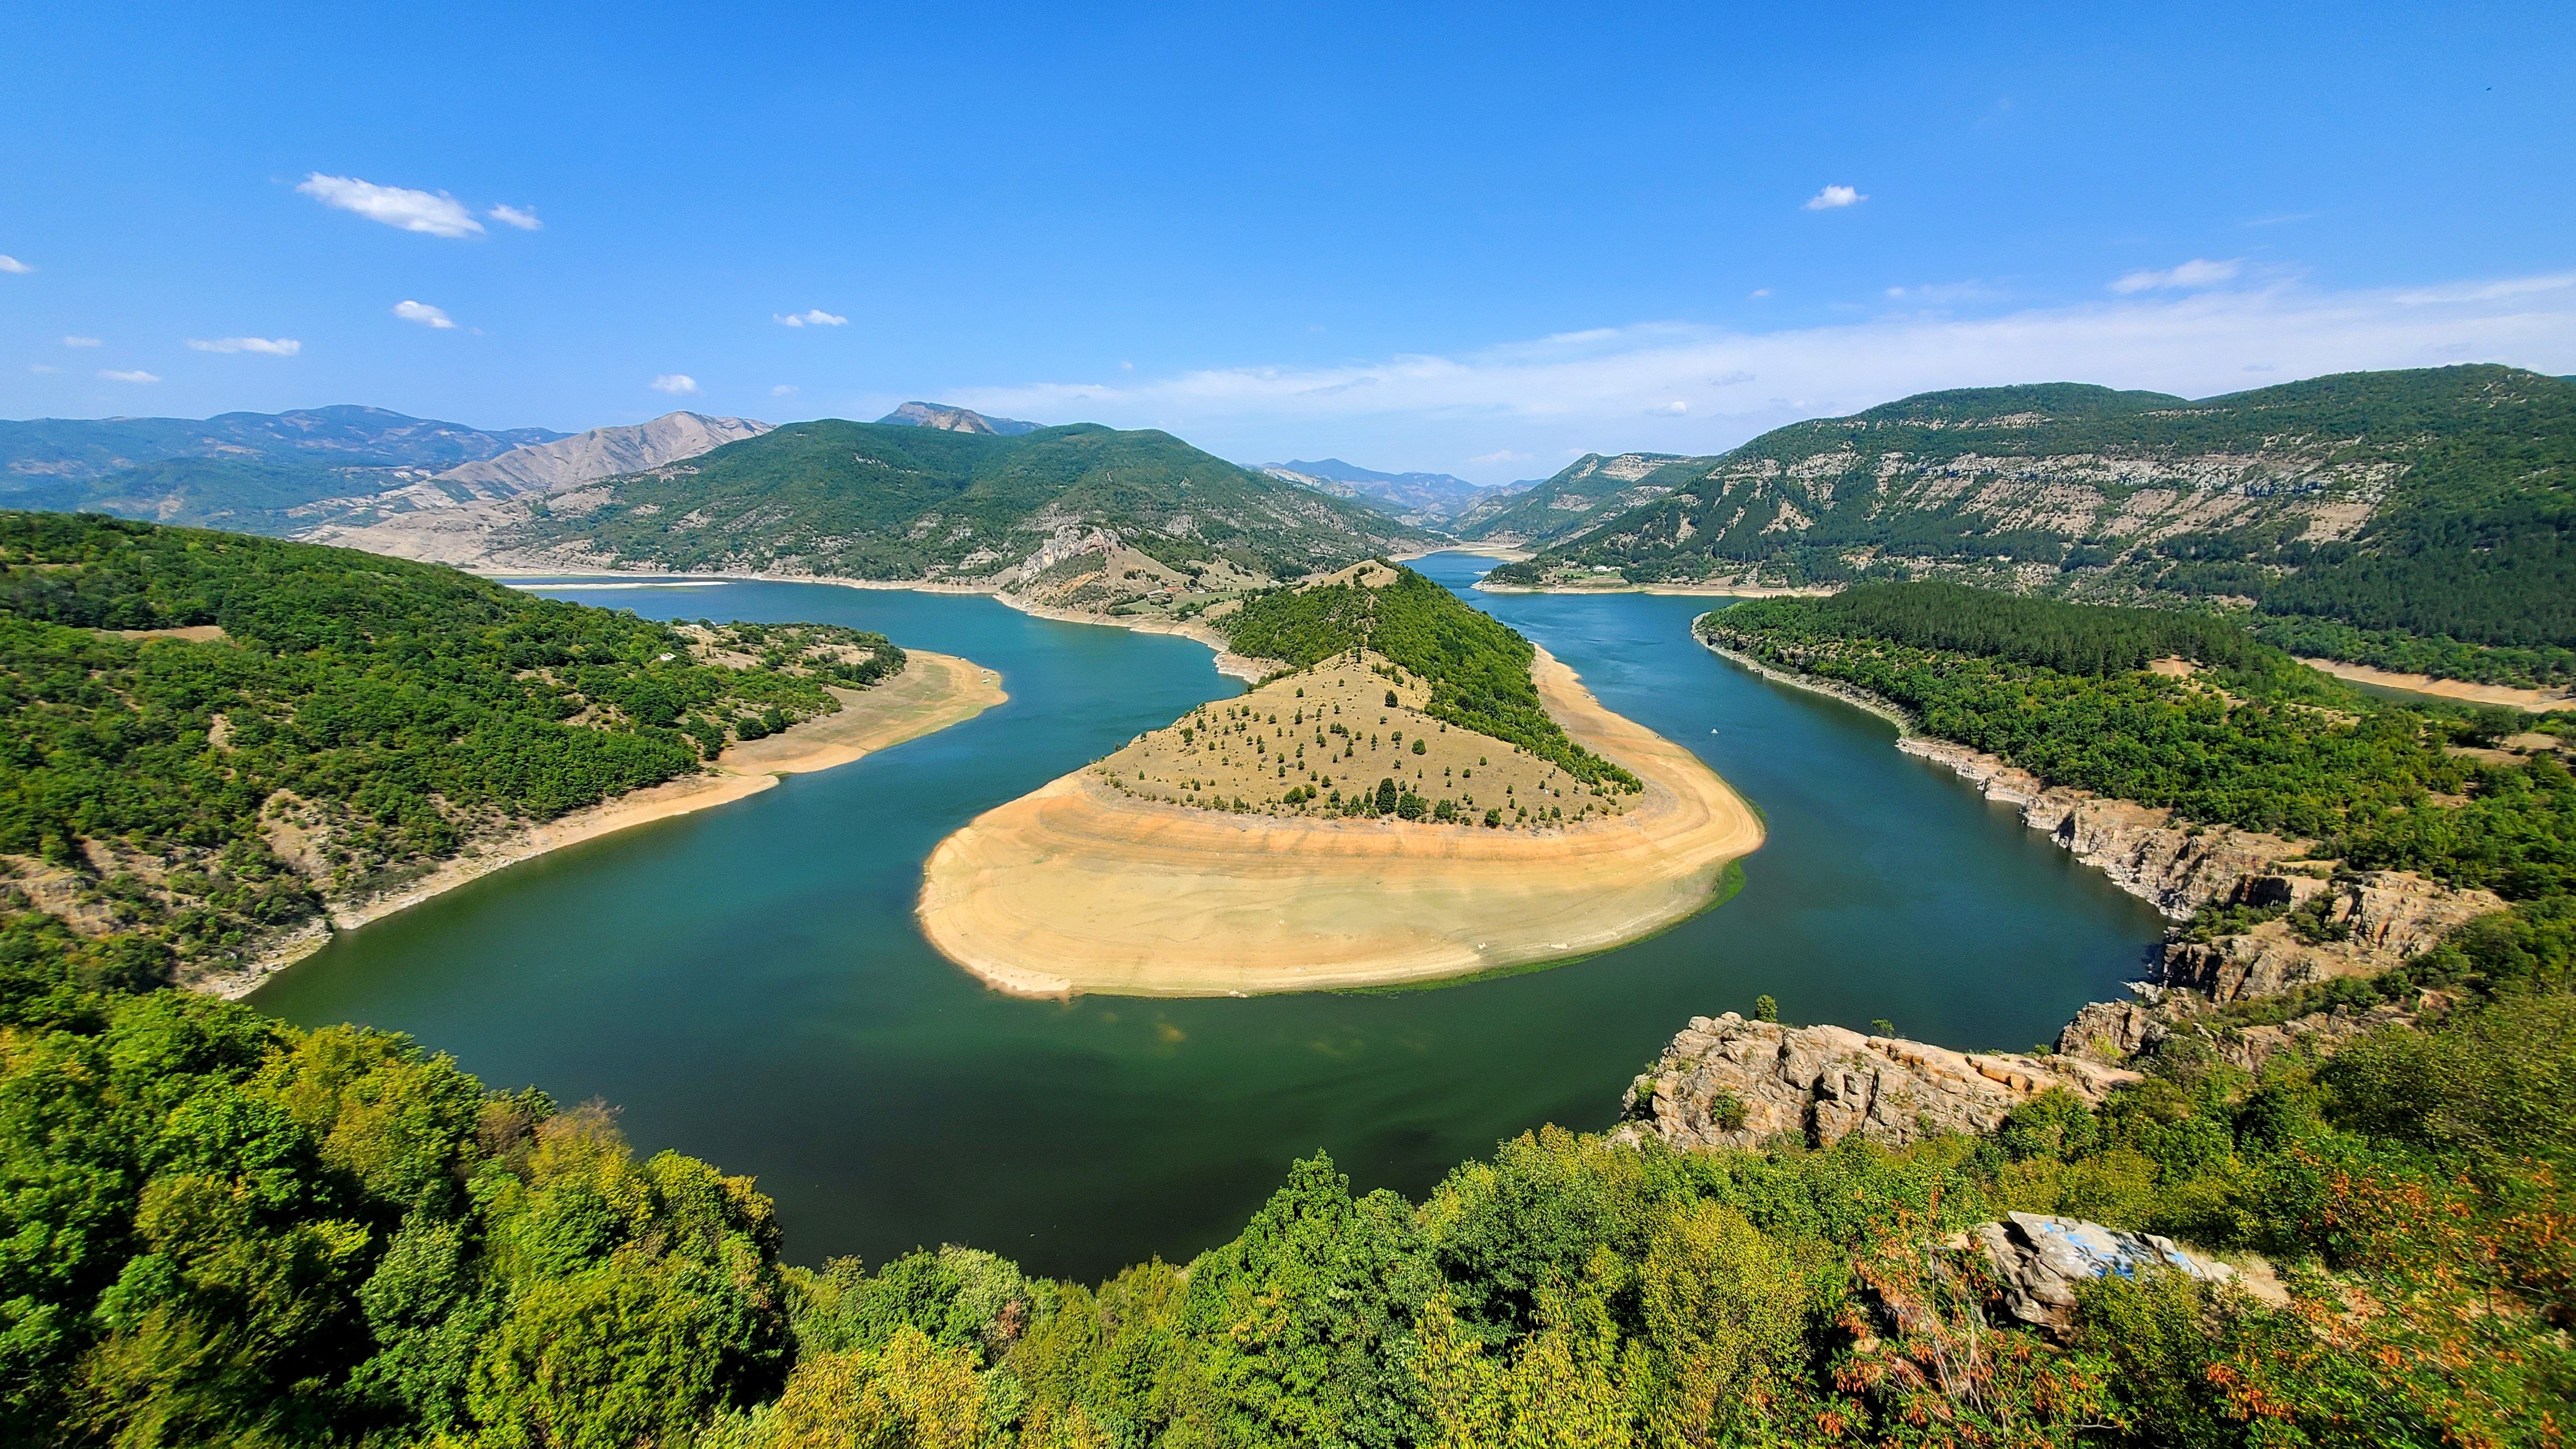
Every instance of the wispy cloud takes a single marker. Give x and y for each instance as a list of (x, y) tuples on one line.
[(14, 266), (76, 341), (2198, 272), (1595, 389), (112, 375), (273, 346), (422, 313), (524, 218), (42, 367), (1834, 198), (1757, 294), (677, 384), (784, 389), (810, 317), (435, 213), (1943, 294), (1499, 455)]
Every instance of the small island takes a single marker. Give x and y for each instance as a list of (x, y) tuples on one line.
[(1415, 792)]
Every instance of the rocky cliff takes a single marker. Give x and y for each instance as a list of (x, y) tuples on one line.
[(1729, 1082)]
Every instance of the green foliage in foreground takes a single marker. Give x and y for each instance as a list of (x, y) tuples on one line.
[(2257, 741), (384, 710), (224, 1230), (1477, 667)]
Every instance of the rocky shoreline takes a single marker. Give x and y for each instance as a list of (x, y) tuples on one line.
[(1726, 1081)]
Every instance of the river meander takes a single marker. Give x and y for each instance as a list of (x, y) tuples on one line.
[(748, 984)]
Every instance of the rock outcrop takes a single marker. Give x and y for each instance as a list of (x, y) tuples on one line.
[(2039, 1261), (1729, 1082), (2359, 925)]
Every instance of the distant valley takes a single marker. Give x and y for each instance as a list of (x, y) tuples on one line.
[(1424, 500)]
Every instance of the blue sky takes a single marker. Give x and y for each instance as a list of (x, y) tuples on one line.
[(1477, 239)]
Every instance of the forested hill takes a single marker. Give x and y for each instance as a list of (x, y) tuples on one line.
[(2390, 517), (1478, 668), (208, 735), (872, 501)]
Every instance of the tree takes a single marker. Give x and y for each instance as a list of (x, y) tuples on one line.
[(1387, 796), (1766, 1008)]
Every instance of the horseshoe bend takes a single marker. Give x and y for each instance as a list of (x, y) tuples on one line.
[(1155, 872)]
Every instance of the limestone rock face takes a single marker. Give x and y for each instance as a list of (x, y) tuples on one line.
[(2042, 1260), (2371, 922), (2177, 869), (1729, 1082)]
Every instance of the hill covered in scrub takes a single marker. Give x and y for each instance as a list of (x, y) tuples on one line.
[(211, 736), (2417, 520), (1083, 514), (1476, 668)]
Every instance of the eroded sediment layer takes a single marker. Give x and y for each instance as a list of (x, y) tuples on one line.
[(1079, 887)]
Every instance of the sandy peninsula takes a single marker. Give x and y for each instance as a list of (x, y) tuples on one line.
[(933, 692), (2533, 701), (1084, 887)]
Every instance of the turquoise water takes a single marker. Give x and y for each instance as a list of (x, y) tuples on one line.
[(747, 984)]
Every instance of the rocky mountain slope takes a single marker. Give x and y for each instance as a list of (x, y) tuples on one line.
[(1424, 500), (955, 420), (2434, 505), (604, 453)]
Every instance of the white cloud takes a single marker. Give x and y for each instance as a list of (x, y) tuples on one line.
[(1834, 198), (677, 384), (1943, 294), (80, 341), (273, 346), (1499, 455), (784, 389), (42, 367), (1589, 389), (422, 313), (810, 317), (1674, 409), (524, 218), (1757, 294), (13, 265), (437, 214), (112, 375), (2191, 275)]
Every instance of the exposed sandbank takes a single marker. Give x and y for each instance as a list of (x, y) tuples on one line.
[(933, 692), (2534, 701), (1077, 887)]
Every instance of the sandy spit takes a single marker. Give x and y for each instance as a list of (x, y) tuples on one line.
[(933, 692), (1077, 887)]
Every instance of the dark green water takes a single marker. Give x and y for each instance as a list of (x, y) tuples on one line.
[(748, 985)]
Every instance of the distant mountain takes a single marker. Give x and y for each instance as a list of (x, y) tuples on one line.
[(1425, 500), (2387, 517), (605, 453), (954, 420), (1081, 517), (74, 449), (1590, 486)]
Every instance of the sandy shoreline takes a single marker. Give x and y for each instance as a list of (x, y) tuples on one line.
[(1076, 887), (933, 692), (2534, 701)]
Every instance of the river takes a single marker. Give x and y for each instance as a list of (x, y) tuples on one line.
[(748, 985)]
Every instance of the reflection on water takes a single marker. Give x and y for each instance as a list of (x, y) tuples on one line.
[(748, 985)]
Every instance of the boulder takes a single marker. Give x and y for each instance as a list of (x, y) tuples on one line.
[(2041, 1260)]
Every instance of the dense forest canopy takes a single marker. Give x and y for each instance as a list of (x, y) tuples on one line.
[(884, 501), (383, 711), (1477, 667), (2407, 519)]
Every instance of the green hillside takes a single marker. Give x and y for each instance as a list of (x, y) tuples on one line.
[(41, 450), (872, 501), (2392, 517), (1590, 488), (1477, 667), (240, 495), (328, 723)]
